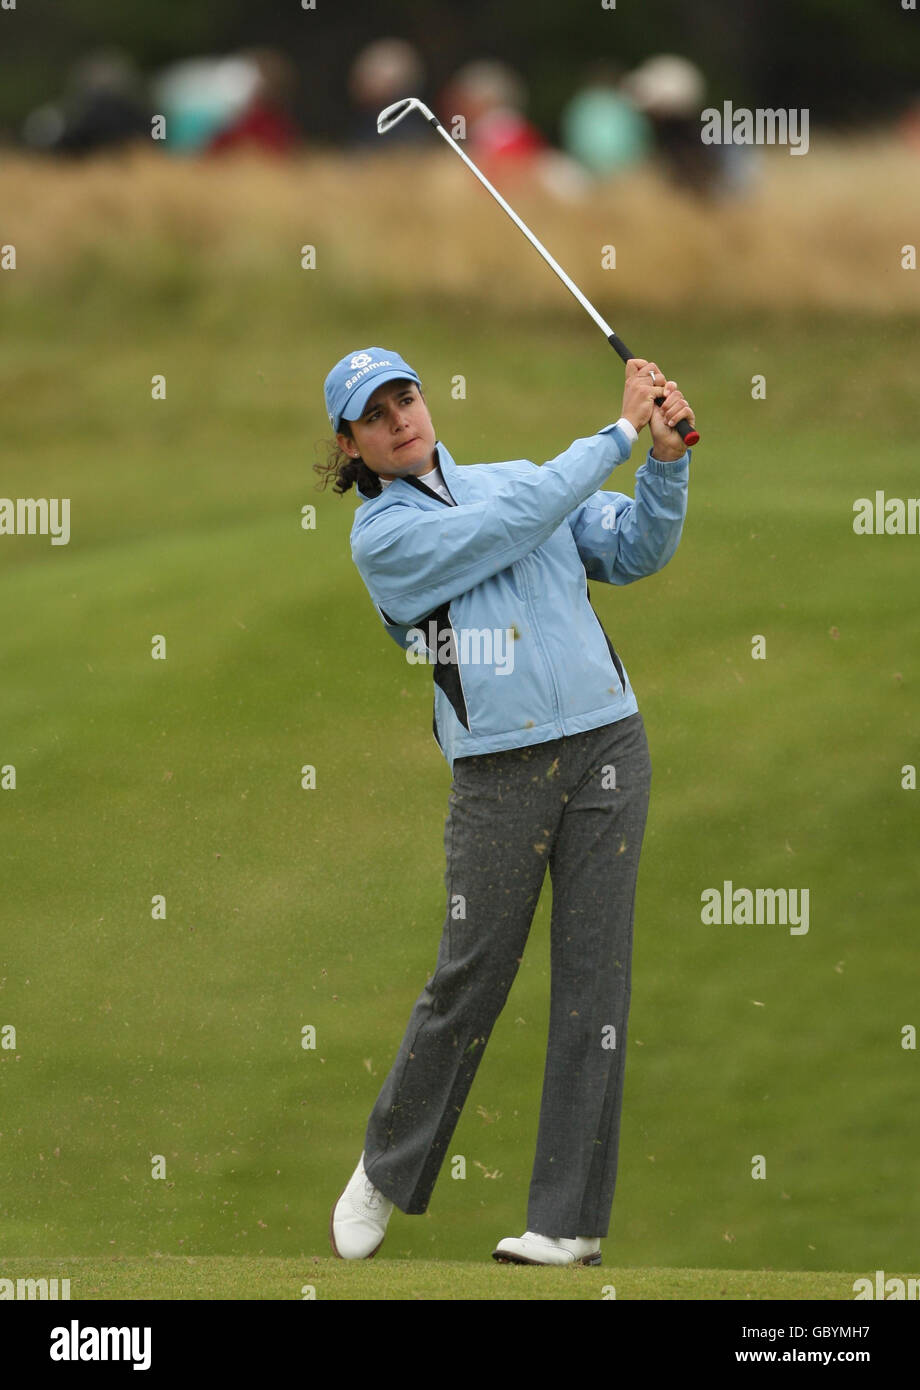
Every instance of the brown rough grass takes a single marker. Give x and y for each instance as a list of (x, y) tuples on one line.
[(824, 230)]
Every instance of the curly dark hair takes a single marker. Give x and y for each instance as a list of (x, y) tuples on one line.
[(345, 470)]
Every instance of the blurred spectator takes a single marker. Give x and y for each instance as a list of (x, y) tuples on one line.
[(601, 127), (671, 91), (263, 123), (200, 97), (384, 72), (104, 105), (490, 97)]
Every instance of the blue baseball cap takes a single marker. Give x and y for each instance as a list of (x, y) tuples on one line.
[(353, 380)]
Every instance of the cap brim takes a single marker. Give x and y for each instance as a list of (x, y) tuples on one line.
[(363, 392)]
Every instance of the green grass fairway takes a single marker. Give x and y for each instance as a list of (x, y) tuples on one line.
[(223, 1277), (156, 1096)]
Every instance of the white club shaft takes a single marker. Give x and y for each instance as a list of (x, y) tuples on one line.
[(537, 245)]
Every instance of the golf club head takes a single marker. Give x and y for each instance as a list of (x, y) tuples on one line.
[(392, 115)]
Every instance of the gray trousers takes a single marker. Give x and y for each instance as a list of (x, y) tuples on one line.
[(578, 805)]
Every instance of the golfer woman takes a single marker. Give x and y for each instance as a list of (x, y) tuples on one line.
[(484, 572)]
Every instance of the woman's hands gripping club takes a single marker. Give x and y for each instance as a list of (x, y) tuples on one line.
[(646, 383)]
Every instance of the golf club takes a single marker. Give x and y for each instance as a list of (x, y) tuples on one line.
[(392, 115)]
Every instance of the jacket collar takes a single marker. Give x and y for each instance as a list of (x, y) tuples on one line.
[(449, 471)]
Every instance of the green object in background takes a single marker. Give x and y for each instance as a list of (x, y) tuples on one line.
[(604, 131)]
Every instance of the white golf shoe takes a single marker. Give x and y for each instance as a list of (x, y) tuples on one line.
[(359, 1218), (534, 1249)]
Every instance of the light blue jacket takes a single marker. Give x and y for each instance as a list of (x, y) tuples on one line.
[(516, 552)]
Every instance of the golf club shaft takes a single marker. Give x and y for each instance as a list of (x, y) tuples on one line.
[(687, 432)]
